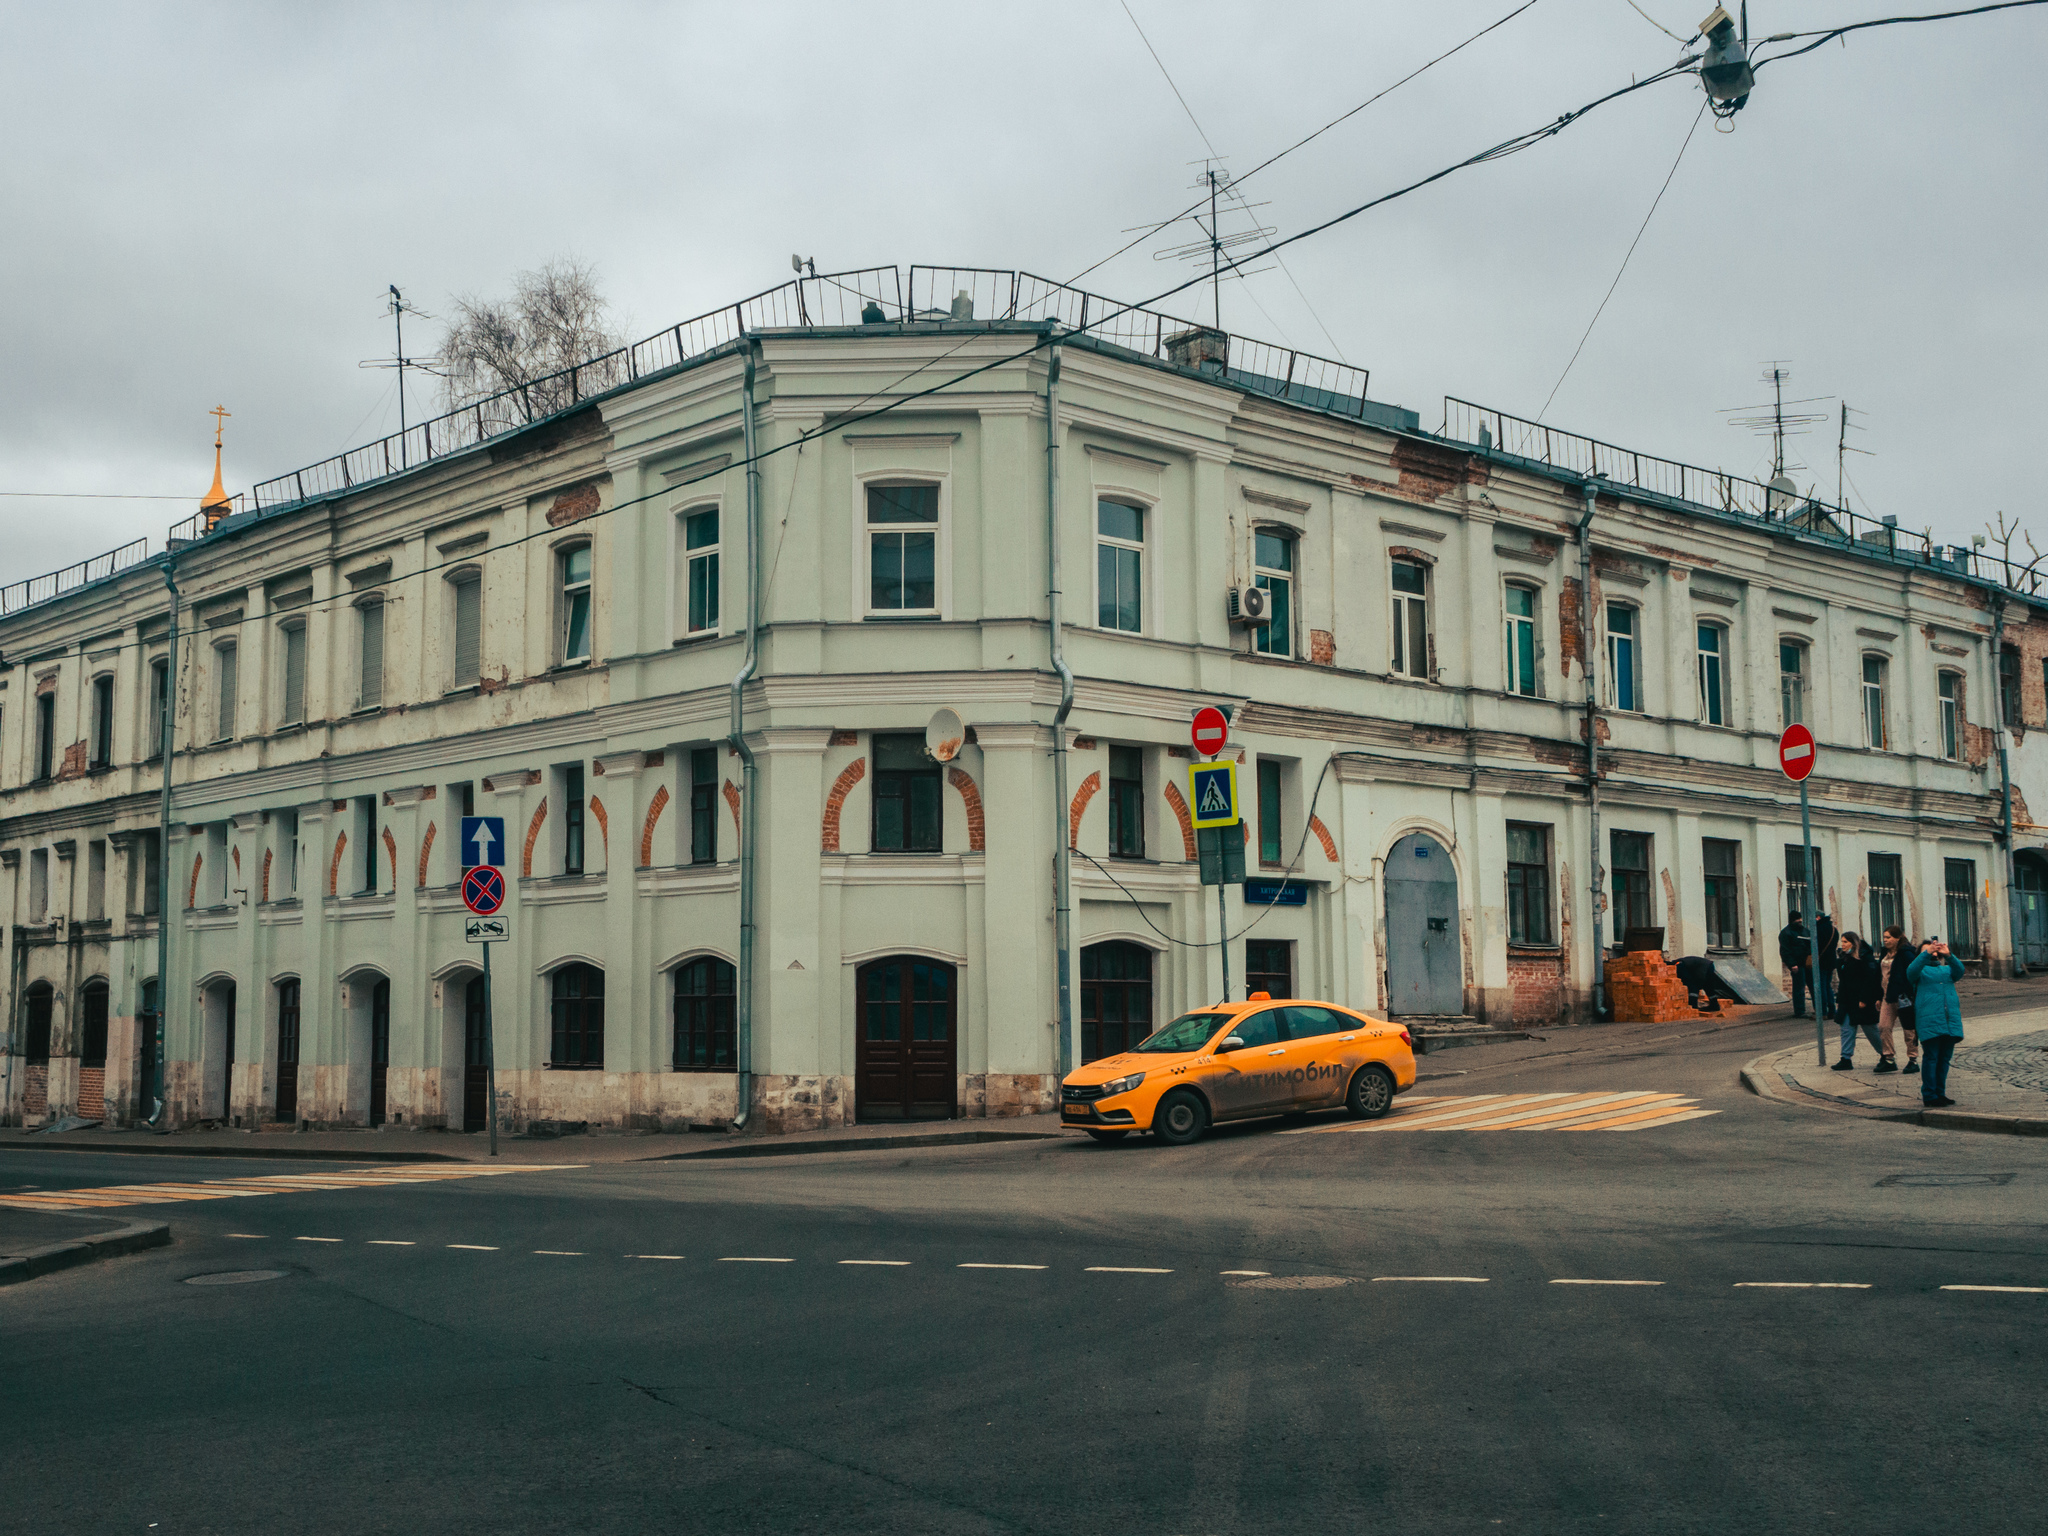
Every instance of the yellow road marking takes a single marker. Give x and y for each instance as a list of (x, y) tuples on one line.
[(1660, 1113), (1594, 1105)]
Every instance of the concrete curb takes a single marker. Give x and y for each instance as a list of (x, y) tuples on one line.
[(856, 1144), (1765, 1083), (171, 1148), (101, 1245)]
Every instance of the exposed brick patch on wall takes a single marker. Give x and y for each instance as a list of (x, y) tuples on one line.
[(1084, 743), (976, 826), (846, 738), (1187, 823), (654, 810), (333, 864), (426, 847), (35, 1089), (1536, 986), (73, 764), (1428, 472), (1079, 808), (653, 760), (850, 775), (732, 801), (1571, 630), (540, 814), (263, 890), (46, 682), (92, 1093), (573, 505), (604, 826), (1404, 552), (1315, 825), (192, 885), (391, 854), (1322, 646)]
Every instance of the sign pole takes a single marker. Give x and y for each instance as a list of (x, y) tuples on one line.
[(1820, 1026), (1223, 931), (490, 1055)]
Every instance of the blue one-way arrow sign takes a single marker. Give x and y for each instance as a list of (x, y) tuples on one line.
[(483, 841)]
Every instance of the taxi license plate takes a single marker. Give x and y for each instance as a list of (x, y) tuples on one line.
[(1077, 1111)]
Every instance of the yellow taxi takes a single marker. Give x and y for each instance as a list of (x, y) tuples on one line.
[(1240, 1061)]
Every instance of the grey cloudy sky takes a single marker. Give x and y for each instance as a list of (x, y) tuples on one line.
[(205, 203)]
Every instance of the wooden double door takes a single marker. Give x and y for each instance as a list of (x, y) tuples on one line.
[(380, 1049), (476, 1089), (906, 1053), (288, 1051)]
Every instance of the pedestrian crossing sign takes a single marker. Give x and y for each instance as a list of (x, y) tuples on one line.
[(1212, 793)]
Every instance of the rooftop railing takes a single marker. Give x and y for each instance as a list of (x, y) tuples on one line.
[(40, 589)]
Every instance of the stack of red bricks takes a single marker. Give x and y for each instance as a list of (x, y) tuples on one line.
[(1643, 988)]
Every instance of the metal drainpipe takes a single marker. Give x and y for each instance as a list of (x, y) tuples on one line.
[(1587, 637), (2012, 918), (1062, 861), (748, 786), (160, 1068)]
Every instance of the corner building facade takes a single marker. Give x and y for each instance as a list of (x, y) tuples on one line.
[(545, 626)]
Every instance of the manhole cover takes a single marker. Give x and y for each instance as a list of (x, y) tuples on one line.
[(1291, 1283), (236, 1277), (1940, 1180)]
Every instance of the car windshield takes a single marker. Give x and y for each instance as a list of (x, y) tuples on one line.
[(1189, 1032)]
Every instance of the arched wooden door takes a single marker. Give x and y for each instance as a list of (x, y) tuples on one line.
[(288, 1052), (906, 1055), (1425, 960), (380, 1047)]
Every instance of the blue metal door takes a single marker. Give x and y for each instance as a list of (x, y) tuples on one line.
[(1425, 963)]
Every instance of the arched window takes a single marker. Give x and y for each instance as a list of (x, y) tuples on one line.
[(578, 1016), (1713, 661), (1116, 998), (1951, 686), (573, 570), (92, 1027), (36, 1045), (707, 1037)]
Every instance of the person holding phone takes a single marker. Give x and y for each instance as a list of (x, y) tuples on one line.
[(1937, 1016)]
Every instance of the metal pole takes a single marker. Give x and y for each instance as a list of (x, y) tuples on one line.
[(490, 1052), (1820, 1026), (1222, 916), (1588, 642), (1062, 860), (749, 781), (2012, 923), (158, 1084)]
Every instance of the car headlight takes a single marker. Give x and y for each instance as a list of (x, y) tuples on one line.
[(1122, 1085)]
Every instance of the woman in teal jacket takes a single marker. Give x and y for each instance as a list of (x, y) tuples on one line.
[(1938, 1015)]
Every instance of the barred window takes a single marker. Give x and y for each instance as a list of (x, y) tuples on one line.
[(705, 1016), (578, 1017)]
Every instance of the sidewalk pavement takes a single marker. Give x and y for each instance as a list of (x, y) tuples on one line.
[(1998, 1079), (36, 1243)]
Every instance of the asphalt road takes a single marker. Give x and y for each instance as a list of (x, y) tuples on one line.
[(1396, 1351)]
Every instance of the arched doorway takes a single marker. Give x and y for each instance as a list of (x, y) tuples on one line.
[(288, 1052), (92, 1050), (1425, 968), (2030, 875), (380, 1048), (1116, 998), (41, 1002), (906, 1052), (217, 1051)]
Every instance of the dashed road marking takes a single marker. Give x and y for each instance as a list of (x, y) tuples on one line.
[(1801, 1285), (1118, 1269), (242, 1234), (321, 1239), (390, 1242), (174, 1191), (474, 1247), (2010, 1290), (561, 1253), (1431, 1280), (756, 1261), (999, 1266), (1607, 1282), (879, 1263), (654, 1255)]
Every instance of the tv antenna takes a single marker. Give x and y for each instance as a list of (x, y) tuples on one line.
[(1214, 179), (1774, 418), (398, 307), (1843, 450)]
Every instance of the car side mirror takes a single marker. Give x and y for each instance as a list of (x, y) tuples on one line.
[(1229, 1043)]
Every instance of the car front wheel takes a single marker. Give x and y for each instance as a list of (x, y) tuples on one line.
[(1372, 1093), (1181, 1118)]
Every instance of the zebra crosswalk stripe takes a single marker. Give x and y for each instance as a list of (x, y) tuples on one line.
[(1631, 1110)]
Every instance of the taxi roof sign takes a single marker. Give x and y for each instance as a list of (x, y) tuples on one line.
[(1212, 793)]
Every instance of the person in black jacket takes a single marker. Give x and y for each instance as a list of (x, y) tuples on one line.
[(1896, 1011), (1829, 953), (1796, 953), (1859, 988)]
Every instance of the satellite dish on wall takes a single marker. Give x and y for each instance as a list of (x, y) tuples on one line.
[(944, 737)]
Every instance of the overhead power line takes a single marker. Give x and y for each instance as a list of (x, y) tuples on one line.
[(1830, 33)]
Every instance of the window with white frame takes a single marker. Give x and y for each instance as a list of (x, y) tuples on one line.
[(293, 711), (466, 594), (1409, 588), (903, 550), (1792, 682), (1119, 565), (1713, 669), (103, 721), (1521, 635), (370, 654), (1273, 573), (1875, 669), (1951, 685), (572, 566), (699, 532), (225, 685), (1624, 657), (159, 703)]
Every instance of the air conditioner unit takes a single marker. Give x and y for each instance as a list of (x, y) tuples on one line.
[(1248, 605)]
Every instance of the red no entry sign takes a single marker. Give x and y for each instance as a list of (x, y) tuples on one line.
[(1210, 730), (483, 890), (1795, 752)]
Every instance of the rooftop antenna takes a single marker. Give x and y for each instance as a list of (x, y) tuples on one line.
[(1214, 179), (1772, 417), (399, 309), (1843, 450)]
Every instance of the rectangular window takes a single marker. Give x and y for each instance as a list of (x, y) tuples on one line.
[(704, 806), (1795, 882), (1885, 905), (224, 699), (370, 656), (903, 549), (1713, 675), (1959, 905), (1791, 683), (1410, 584), (294, 675), (95, 880), (366, 824), (150, 901), (1720, 858), (1629, 854), (2008, 687), (572, 820), (469, 632), (1119, 565), (1127, 802), (1624, 663), (1873, 702), (1273, 573), (1529, 884), (1951, 714), (575, 566), (906, 797), (159, 697), (700, 570), (1521, 610), (1271, 843), (46, 735), (38, 884), (102, 722), (284, 880)]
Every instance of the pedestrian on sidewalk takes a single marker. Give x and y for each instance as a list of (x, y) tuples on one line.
[(1937, 1016), (1826, 939), (1895, 1013), (1796, 951), (1859, 988)]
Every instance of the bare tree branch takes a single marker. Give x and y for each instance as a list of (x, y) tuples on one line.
[(517, 353)]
